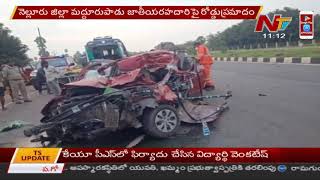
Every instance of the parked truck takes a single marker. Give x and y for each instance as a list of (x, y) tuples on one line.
[(65, 64), (105, 48)]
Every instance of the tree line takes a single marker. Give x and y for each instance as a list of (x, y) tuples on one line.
[(242, 35), (238, 36), (11, 48)]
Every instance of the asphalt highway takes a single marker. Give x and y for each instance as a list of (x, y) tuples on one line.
[(274, 105)]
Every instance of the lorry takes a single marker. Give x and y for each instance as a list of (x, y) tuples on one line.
[(105, 48), (101, 51), (65, 64)]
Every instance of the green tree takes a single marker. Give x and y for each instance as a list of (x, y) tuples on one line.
[(11, 48), (188, 47), (201, 39), (169, 46), (317, 27), (242, 35), (41, 43), (216, 42)]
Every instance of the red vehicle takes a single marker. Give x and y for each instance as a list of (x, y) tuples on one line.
[(154, 91), (147, 60), (92, 68)]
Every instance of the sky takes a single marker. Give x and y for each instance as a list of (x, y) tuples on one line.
[(137, 35)]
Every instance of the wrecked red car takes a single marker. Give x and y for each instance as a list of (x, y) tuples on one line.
[(154, 91)]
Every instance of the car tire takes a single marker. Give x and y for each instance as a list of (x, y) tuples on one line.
[(161, 122)]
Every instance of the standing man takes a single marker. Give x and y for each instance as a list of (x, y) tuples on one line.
[(13, 75), (2, 91), (41, 79), (51, 75), (206, 60)]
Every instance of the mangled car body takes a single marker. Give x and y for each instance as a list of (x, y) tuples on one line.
[(154, 91)]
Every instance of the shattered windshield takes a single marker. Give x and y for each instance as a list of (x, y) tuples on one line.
[(57, 62), (112, 52), (92, 74)]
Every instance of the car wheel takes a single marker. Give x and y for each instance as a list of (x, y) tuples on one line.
[(161, 122)]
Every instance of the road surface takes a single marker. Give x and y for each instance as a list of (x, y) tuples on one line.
[(285, 114)]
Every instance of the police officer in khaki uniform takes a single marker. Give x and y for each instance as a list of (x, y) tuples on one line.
[(13, 75)]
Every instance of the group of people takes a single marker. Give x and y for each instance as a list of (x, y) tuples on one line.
[(11, 79)]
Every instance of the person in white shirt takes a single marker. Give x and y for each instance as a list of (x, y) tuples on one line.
[(51, 76)]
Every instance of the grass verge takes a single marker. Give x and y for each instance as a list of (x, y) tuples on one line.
[(312, 51)]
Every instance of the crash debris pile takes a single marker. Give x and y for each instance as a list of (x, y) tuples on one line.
[(154, 91)]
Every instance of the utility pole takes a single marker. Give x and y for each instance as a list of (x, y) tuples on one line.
[(39, 34)]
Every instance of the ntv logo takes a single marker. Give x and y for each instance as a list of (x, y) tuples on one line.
[(277, 24)]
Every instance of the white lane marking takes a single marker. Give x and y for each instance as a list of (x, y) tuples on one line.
[(299, 64)]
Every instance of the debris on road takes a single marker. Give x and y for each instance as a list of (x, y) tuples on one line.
[(136, 141), (260, 94), (13, 125)]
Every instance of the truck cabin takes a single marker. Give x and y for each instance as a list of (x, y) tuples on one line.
[(105, 48)]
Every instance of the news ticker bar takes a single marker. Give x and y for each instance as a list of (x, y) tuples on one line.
[(23, 168), (136, 12), (54, 160), (159, 155), (152, 169)]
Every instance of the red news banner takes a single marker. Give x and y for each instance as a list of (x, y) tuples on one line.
[(163, 155), (136, 12)]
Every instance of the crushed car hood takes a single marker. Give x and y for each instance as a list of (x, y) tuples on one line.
[(134, 76), (153, 59), (131, 68)]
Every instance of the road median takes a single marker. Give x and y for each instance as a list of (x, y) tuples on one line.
[(287, 60)]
